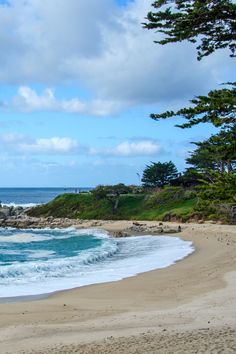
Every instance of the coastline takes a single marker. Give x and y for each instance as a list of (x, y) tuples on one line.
[(192, 301), (138, 253)]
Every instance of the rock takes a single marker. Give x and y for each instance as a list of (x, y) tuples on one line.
[(120, 234), (171, 231), (6, 211), (18, 210), (3, 215)]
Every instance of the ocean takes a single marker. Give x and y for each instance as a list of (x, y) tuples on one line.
[(42, 261), (28, 197), (34, 262)]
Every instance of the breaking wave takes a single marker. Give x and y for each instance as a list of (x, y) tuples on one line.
[(42, 261)]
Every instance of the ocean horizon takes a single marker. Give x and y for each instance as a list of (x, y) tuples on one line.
[(31, 196)]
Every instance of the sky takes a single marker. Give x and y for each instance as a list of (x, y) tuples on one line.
[(78, 82)]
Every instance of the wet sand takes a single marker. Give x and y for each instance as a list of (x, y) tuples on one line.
[(189, 307)]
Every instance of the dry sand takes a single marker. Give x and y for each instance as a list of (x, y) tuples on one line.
[(189, 307)]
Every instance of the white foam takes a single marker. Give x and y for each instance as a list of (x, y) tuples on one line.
[(37, 254), (114, 260), (38, 235), (22, 238), (9, 252), (23, 205)]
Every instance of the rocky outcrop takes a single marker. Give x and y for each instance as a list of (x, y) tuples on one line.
[(7, 212), (17, 218), (142, 228)]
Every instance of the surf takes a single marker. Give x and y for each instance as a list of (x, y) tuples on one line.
[(34, 262)]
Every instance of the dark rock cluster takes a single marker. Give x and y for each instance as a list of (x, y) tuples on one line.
[(7, 212)]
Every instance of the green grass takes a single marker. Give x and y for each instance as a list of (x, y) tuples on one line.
[(155, 206)]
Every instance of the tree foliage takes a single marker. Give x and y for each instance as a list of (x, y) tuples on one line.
[(212, 22), (101, 192), (217, 153), (223, 188), (212, 25), (217, 199), (218, 108), (191, 178), (159, 174)]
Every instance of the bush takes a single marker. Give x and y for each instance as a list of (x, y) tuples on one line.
[(101, 192)]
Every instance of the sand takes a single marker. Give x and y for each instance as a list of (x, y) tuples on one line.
[(189, 307)]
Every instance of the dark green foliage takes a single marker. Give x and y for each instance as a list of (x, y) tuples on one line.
[(190, 178), (101, 191), (216, 153), (159, 174), (211, 22), (218, 197), (218, 108), (222, 187)]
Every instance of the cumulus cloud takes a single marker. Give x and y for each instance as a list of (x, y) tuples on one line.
[(51, 145), (141, 148), (130, 149), (101, 47), (23, 144), (28, 100)]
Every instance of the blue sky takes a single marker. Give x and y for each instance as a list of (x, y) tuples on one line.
[(78, 82)]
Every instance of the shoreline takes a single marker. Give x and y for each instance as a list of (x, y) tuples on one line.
[(192, 301), (148, 231)]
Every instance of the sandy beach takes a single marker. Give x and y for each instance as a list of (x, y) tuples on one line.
[(189, 307)]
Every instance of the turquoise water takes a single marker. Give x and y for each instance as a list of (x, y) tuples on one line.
[(24, 246), (42, 261)]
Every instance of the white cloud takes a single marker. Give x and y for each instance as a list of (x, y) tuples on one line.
[(51, 145), (28, 100), (129, 149), (22, 144), (141, 148), (102, 48)]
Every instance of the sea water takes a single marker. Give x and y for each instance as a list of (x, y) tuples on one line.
[(36, 262), (28, 197)]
